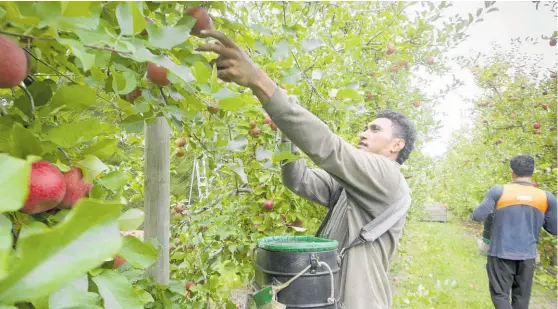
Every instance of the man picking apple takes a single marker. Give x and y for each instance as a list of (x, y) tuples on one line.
[(357, 184)]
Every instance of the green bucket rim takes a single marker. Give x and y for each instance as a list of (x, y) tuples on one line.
[(301, 244)]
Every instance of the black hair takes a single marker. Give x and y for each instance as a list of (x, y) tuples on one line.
[(523, 165), (403, 129)]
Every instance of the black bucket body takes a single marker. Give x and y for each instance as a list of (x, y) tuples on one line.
[(312, 289)]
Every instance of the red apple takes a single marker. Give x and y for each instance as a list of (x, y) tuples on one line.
[(394, 68), (47, 188), (370, 96), (536, 125), (284, 86), (252, 124), (273, 126), (552, 42), (118, 261), (417, 103), (189, 285), (538, 131), (390, 49), (179, 152), (430, 60), (485, 121), (203, 20), (76, 188), (535, 184), (545, 106), (373, 73), (255, 132), (157, 74), (268, 120), (268, 204), (132, 96), (13, 63)]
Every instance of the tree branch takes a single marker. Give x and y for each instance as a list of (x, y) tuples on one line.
[(30, 37), (207, 207)]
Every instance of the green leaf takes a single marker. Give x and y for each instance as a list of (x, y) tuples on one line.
[(309, 45), (232, 103), (73, 295), (131, 219), (470, 18), (71, 134), (238, 144), (137, 253), (116, 291), (167, 37), (91, 166), (103, 148), (282, 50), (202, 72), (214, 80), (81, 52), (41, 91), (123, 83), (143, 295), (31, 228), (493, 9), (479, 11), (291, 76), (24, 142), (75, 8), (114, 180), (55, 257), (263, 154), (130, 17), (133, 124), (14, 182), (238, 168), (5, 244), (348, 94), (75, 96)]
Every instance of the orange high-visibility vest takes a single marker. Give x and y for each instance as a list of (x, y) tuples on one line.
[(516, 194)]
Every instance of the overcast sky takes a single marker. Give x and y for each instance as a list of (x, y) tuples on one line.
[(514, 19)]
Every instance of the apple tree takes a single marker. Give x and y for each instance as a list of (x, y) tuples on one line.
[(80, 82)]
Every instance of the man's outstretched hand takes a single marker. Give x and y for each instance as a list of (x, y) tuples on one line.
[(233, 65)]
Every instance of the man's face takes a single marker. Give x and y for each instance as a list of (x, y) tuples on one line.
[(378, 137)]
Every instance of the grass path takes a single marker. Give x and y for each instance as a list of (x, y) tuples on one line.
[(438, 267)]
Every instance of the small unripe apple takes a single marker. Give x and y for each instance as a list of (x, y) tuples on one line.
[(268, 120), (538, 131), (552, 42), (268, 204), (545, 106), (180, 142), (252, 124), (394, 68), (203, 20), (179, 152), (213, 109)]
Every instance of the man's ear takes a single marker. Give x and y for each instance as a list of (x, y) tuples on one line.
[(398, 145)]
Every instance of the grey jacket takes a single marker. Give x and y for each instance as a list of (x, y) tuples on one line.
[(358, 185)]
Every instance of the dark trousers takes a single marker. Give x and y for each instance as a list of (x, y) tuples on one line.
[(509, 275)]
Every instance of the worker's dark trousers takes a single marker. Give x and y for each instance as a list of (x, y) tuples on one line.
[(509, 275)]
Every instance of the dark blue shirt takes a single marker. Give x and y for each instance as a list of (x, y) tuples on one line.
[(515, 229)]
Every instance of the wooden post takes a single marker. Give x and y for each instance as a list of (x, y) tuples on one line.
[(157, 194)]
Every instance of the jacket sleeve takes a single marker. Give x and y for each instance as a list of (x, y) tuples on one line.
[(488, 205), (313, 184), (365, 176), (550, 217)]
